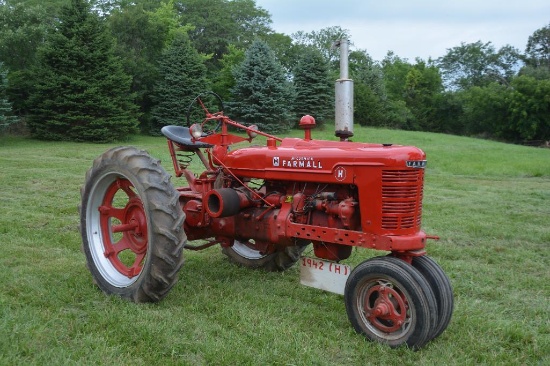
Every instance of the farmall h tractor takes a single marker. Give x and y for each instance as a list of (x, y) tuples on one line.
[(264, 205)]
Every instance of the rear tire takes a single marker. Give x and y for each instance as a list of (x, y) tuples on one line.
[(244, 254), (131, 224), (388, 301)]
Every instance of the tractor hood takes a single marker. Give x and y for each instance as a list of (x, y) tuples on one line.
[(321, 161)]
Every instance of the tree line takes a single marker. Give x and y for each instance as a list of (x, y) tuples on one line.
[(100, 70)]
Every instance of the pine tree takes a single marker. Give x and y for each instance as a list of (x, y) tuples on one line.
[(81, 91), (262, 95), (182, 77), (314, 89), (6, 116)]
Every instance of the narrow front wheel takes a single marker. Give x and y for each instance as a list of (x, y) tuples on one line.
[(442, 289), (388, 301)]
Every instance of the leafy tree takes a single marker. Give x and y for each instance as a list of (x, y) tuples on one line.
[(413, 92), (449, 112), (107, 7), (23, 31), (478, 64), (398, 114), (262, 95), (369, 90), (422, 86), (368, 109), (364, 69), (314, 89), (537, 52), (224, 81), (395, 71), (142, 29), (25, 24), (465, 66), (539, 73), (537, 55), (324, 40), (182, 78), (485, 111), (81, 92), (50, 7), (218, 23), (529, 108), (508, 61), (515, 113), (6, 115), (284, 49)]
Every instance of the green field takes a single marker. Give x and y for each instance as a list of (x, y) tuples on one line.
[(489, 202)]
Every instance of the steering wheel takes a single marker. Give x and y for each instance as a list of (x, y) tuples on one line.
[(204, 101)]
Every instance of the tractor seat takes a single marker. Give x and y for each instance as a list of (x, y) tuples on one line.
[(181, 135)]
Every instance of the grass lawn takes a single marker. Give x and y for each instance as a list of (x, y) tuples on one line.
[(489, 202)]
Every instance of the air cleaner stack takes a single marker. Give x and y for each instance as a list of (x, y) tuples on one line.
[(343, 118)]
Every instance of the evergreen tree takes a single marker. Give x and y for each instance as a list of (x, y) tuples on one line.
[(182, 78), (262, 95), (6, 116), (314, 89), (81, 91)]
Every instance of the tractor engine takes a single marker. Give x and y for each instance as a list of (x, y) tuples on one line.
[(333, 194), (263, 214)]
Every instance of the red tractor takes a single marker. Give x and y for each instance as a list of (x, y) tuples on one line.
[(264, 205)]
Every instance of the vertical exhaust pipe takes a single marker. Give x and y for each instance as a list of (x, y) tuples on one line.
[(343, 118)]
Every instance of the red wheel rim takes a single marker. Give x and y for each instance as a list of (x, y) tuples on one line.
[(385, 308), (124, 229)]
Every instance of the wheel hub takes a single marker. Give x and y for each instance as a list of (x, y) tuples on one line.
[(126, 251), (385, 308), (135, 217)]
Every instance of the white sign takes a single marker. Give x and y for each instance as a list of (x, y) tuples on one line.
[(324, 275)]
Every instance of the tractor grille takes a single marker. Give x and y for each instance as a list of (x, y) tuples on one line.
[(402, 199)]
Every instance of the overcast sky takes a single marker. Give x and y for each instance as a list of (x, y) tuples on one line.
[(414, 28)]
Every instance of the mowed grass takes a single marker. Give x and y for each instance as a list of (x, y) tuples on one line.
[(489, 202)]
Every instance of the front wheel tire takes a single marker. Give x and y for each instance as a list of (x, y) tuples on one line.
[(442, 289), (388, 301), (131, 224)]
